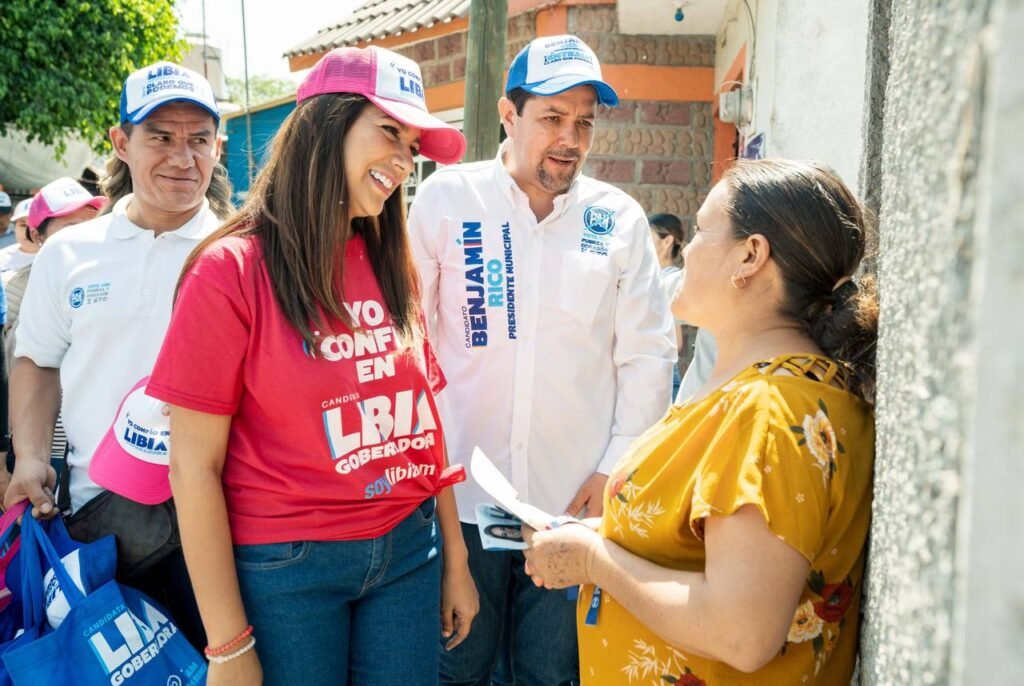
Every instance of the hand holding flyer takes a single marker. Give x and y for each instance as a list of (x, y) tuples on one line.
[(506, 497)]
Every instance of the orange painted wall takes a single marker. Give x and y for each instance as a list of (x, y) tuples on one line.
[(446, 97), (649, 82), (724, 152)]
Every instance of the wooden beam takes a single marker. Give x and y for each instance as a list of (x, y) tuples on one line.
[(485, 72)]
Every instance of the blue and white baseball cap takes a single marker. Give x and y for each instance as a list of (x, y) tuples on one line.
[(163, 83), (553, 64)]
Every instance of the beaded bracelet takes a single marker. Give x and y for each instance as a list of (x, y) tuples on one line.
[(230, 645), (221, 659)]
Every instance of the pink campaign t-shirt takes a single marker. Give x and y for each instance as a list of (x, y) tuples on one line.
[(338, 443)]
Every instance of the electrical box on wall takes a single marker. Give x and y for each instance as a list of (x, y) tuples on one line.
[(736, 106)]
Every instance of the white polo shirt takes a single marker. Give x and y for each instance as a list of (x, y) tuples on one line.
[(554, 336), (97, 307)]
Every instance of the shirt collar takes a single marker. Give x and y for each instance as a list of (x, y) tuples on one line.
[(122, 227)]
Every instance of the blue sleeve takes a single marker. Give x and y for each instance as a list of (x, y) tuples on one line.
[(3, 305)]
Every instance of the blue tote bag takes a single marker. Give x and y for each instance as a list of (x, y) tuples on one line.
[(90, 565), (113, 636)]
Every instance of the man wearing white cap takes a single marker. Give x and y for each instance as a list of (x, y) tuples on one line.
[(6, 230), (541, 290), (97, 307)]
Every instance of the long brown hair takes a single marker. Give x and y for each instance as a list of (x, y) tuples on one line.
[(117, 183), (298, 208), (818, 233)]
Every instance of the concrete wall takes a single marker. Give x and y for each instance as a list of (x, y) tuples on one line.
[(806, 66), (945, 603)]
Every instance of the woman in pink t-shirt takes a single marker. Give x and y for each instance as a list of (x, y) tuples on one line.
[(307, 453)]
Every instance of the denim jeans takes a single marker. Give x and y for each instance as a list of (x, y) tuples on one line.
[(523, 636), (364, 612)]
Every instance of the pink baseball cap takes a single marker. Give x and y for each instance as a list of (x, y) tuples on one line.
[(60, 198), (133, 458), (392, 83)]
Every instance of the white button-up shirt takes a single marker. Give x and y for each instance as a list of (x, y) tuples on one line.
[(97, 306), (555, 336)]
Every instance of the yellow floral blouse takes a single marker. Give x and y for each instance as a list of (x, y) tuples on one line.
[(785, 437)]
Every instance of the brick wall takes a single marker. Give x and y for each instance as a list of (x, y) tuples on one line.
[(443, 60), (598, 27), (659, 152)]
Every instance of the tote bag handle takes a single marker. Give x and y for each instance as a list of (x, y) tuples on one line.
[(36, 544)]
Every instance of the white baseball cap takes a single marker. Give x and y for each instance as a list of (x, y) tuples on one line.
[(553, 64), (21, 209), (163, 83)]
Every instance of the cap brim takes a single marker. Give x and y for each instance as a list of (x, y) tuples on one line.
[(439, 141), (115, 470), (139, 115), (18, 215), (606, 95), (97, 201)]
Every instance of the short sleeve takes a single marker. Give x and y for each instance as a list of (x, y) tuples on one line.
[(201, 361), (757, 459)]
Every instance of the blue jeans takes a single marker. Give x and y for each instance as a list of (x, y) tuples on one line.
[(524, 635), (347, 612)]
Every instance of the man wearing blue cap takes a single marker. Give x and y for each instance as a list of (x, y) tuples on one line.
[(542, 297), (94, 316)]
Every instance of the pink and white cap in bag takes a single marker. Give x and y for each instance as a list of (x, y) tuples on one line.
[(60, 198), (133, 458), (392, 83)]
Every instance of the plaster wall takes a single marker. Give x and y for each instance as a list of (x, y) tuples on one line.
[(806, 64), (944, 603)]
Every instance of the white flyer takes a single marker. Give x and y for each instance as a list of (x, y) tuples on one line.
[(506, 497)]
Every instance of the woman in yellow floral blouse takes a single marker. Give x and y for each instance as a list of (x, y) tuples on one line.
[(731, 548)]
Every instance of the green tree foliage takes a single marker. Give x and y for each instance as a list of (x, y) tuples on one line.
[(62, 62), (261, 89)]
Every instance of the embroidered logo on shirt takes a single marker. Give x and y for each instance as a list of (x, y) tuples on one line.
[(598, 223), (91, 294), (77, 298)]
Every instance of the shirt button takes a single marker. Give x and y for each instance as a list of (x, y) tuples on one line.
[(145, 291), (519, 446)]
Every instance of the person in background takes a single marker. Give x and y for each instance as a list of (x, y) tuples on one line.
[(317, 535), (23, 251), (7, 237), (541, 288), (669, 241), (60, 204), (97, 306), (748, 565)]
